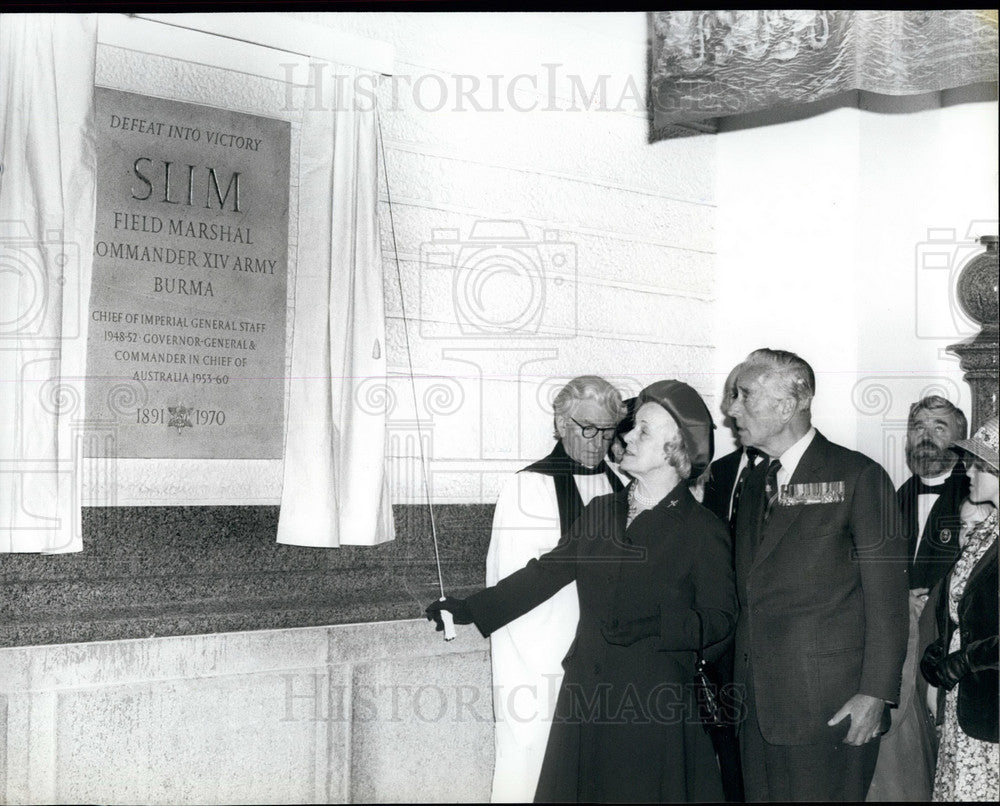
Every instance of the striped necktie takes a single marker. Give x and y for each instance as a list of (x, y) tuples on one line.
[(771, 487)]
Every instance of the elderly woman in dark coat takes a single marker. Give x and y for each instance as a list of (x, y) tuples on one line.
[(655, 583)]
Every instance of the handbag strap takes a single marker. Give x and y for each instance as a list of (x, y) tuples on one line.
[(701, 636)]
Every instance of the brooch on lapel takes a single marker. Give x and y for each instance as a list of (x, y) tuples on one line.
[(819, 492), (945, 536)]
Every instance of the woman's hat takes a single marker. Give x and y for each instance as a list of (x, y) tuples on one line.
[(983, 443), (686, 407), (628, 421)]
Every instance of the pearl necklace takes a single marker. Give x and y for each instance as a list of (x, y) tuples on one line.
[(641, 500), (637, 502)]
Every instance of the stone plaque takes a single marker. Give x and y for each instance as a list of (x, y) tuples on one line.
[(186, 346)]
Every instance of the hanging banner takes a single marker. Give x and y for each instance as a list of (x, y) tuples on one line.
[(186, 347), (711, 64)]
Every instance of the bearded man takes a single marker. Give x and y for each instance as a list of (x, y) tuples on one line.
[(930, 499), (930, 502)]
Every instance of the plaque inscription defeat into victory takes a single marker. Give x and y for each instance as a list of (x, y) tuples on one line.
[(186, 343)]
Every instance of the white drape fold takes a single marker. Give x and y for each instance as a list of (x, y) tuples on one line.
[(47, 214), (335, 489)]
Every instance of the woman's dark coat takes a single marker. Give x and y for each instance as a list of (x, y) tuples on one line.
[(626, 726), (977, 623)]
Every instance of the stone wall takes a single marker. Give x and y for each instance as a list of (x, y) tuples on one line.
[(364, 713), (158, 571)]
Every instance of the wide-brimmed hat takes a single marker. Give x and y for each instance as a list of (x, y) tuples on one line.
[(687, 408), (984, 443)]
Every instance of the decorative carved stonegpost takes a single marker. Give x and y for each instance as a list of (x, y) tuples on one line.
[(977, 294)]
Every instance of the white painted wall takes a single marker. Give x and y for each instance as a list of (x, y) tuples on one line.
[(835, 231), (826, 246), (635, 222), (534, 118)]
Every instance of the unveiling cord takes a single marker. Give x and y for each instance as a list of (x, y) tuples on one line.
[(449, 627)]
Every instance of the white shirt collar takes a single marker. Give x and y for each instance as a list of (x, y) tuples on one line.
[(935, 480), (791, 457)]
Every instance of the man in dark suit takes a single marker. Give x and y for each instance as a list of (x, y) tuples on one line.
[(723, 490), (728, 474), (931, 497), (930, 502), (721, 482), (823, 600)]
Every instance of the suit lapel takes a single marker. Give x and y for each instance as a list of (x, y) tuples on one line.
[(931, 543), (810, 468), (747, 518), (908, 507), (620, 547), (937, 535), (727, 473)]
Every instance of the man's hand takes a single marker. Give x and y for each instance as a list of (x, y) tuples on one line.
[(456, 607), (865, 712)]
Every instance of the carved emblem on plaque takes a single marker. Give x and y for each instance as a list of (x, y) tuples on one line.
[(180, 417)]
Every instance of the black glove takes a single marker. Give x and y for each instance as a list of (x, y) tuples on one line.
[(933, 655), (951, 669), (972, 658), (459, 612), (627, 633)]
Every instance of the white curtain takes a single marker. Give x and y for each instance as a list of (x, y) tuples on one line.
[(335, 486), (47, 187)]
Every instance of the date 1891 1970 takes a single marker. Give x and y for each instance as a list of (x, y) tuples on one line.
[(170, 414)]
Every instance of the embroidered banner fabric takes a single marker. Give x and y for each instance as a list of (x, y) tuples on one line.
[(712, 64)]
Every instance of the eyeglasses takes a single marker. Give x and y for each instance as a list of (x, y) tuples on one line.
[(591, 431)]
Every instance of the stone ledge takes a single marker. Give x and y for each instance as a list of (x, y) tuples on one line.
[(336, 714), (161, 571)]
